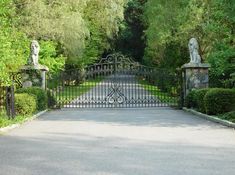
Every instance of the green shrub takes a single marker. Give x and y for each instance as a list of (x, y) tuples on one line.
[(230, 116), (219, 101), (199, 99), (190, 100), (25, 104), (41, 96)]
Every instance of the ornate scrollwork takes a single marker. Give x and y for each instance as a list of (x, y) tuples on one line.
[(117, 59), (115, 95)]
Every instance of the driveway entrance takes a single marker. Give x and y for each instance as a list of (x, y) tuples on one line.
[(117, 82), (118, 142)]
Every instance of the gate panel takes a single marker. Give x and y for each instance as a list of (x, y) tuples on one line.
[(117, 82)]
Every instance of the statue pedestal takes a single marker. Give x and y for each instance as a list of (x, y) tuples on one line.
[(195, 76), (34, 76)]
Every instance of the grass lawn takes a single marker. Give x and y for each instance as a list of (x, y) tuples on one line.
[(155, 91), (70, 93), (4, 121), (230, 116)]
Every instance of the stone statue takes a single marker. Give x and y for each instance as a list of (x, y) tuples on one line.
[(193, 50), (34, 53)]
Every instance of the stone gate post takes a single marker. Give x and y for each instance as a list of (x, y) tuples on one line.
[(33, 73), (195, 74)]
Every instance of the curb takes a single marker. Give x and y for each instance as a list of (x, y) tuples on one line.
[(11, 127), (211, 118)]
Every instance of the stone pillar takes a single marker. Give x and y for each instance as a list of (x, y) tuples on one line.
[(43, 75), (34, 76), (195, 76)]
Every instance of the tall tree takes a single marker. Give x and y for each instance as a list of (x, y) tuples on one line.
[(131, 39), (172, 23), (13, 52), (83, 28), (164, 47)]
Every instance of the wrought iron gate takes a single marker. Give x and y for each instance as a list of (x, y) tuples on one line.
[(117, 82)]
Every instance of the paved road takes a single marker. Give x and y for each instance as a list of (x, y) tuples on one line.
[(118, 142)]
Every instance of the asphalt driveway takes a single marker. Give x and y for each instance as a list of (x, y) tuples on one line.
[(118, 142)]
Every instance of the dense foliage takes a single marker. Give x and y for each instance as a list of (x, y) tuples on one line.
[(75, 33), (190, 100), (131, 39), (211, 100), (199, 97), (172, 23), (40, 95), (84, 28), (219, 101), (13, 42), (25, 104)]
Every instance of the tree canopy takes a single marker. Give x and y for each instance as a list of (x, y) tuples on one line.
[(71, 32), (84, 28), (172, 23), (76, 33)]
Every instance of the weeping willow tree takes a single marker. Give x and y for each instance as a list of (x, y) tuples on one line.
[(85, 28), (70, 32), (103, 19)]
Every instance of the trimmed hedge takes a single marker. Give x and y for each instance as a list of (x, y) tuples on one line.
[(199, 99), (190, 100), (195, 99), (25, 104), (219, 101), (41, 96)]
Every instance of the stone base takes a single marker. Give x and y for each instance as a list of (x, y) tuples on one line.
[(196, 65), (35, 67), (195, 76), (34, 76)]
